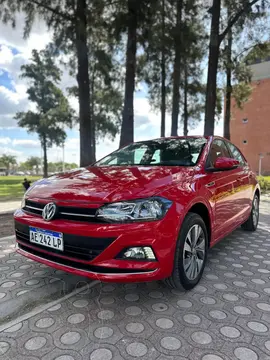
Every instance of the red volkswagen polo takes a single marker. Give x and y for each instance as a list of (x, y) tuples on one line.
[(148, 211)]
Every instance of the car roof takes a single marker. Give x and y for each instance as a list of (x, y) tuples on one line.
[(192, 137), (183, 137), (175, 137)]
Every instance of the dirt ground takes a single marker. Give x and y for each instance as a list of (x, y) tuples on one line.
[(6, 225)]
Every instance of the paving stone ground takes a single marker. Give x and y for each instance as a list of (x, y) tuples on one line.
[(6, 225), (227, 316)]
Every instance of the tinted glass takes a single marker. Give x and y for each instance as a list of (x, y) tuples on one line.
[(168, 152), (236, 154)]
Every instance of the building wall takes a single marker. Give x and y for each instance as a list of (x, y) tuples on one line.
[(253, 136), (260, 70)]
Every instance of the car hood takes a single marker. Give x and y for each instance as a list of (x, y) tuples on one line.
[(109, 184)]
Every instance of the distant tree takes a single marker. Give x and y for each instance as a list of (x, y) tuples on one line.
[(52, 168), (55, 167), (241, 9), (106, 79), (131, 20), (71, 166), (106, 83), (58, 166), (178, 46), (8, 161), (33, 162), (23, 166), (238, 74), (168, 55), (53, 112), (242, 77), (70, 22), (192, 90), (163, 63), (155, 64)]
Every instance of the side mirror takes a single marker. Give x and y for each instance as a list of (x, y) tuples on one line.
[(224, 163)]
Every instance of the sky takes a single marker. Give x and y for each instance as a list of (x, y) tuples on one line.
[(16, 51)]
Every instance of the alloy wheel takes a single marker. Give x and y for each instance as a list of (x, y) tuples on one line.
[(194, 252), (255, 211)]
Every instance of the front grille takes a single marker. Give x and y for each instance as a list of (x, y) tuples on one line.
[(33, 207), (81, 266), (64, 212), (79, 247)]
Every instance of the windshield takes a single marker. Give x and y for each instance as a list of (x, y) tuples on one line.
[(165, 152)]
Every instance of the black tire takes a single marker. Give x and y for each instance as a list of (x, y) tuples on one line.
[(252, 222), (178, 279)]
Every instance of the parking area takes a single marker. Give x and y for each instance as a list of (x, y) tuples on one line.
[(47, 314)]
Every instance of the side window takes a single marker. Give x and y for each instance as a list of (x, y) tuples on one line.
[(218, 149), (156, 157), (236, 154)]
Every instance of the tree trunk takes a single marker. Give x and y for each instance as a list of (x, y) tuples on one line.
[(227, 118), (176, 69), (87, 130), (163, 75), (211, 90), (127, 129), (45, 159), (185, 127), (92, 108)]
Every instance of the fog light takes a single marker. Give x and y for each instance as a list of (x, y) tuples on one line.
[(141, 253)]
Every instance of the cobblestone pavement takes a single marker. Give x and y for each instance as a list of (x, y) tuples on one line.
[(6, 225), (227, 316)]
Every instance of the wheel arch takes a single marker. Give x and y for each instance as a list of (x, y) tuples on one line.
[(201, 209), (258, 193)]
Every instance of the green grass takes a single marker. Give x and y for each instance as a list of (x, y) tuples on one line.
[(264, 182), (267, 178), (11, 186)]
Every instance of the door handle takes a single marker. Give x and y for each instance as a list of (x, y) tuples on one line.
[(211, 184)]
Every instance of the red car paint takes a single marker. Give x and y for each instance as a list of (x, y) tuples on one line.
[(225, 195)]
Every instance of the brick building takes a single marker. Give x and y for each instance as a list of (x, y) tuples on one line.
[(250, 127)]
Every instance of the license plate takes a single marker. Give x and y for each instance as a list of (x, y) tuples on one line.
[(51, 239)]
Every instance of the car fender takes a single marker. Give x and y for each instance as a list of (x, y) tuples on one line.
[(187, 207)]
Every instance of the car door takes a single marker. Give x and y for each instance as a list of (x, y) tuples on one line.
[(223, 187), (245, 187)]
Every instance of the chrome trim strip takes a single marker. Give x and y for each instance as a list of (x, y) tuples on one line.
[(90, 272), (34, 208), (72, 214)]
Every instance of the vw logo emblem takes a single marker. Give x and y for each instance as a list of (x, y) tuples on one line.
[(49, 211)]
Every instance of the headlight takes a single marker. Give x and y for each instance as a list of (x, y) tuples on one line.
[(137, 210)]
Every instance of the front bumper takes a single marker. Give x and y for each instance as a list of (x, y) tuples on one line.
[(160, 235), (150, 275)]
